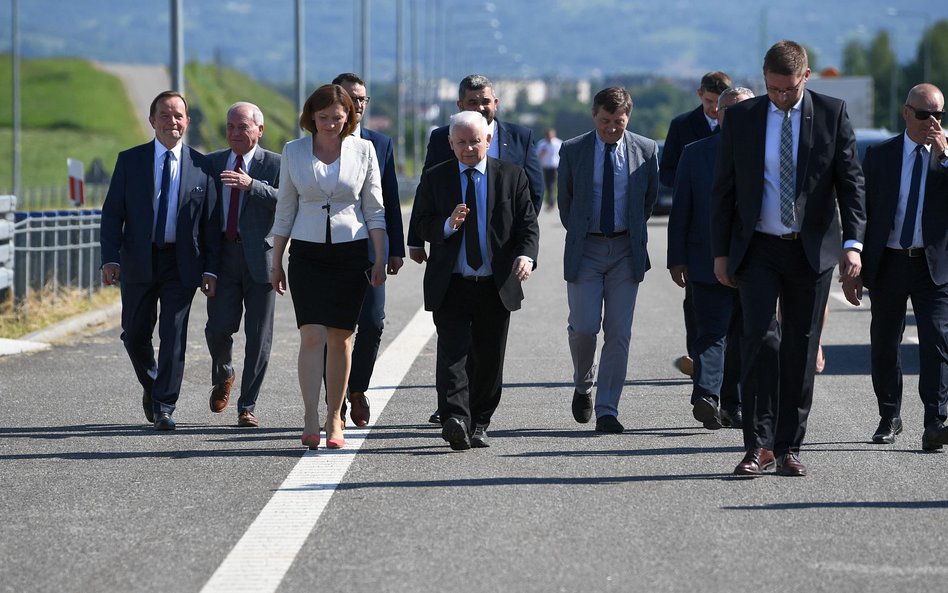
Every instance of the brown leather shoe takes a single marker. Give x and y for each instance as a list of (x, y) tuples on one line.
[(246, 419), (790, 465), (220, 394), (755, 462), (359, 410)]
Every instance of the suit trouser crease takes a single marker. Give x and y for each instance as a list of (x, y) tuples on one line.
[(365, 349), (898, 279), (237, 293), (603, 296), (717, 345), (779, 361), (472, 325)]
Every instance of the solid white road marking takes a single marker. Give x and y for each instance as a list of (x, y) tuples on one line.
[(261, 557)]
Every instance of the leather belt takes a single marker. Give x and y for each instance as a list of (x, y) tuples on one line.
[(911, 252), (474, 278), (609, 235), (788, 236)]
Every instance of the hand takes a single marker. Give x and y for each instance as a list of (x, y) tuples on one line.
[(936, 136), (459, 215), (278, 279), (679, 275), (852, 290), (850, 265), (720, 272), (111, 274), (417, 255), (378, 274), (395, 264), (209, 285), (239, 179), (522, 267)]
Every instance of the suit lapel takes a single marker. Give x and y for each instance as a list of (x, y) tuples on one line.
[(806, 141), (499, 139), (891, 182), (587, 162), (348, 167)]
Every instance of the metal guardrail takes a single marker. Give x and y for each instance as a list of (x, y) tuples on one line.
[(58, 198)]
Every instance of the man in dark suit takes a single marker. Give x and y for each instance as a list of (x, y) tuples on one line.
[(686, 128), (607, 187), (484, 242), (247, 176), (511, 142), (787, 161), (372, 318), (715, 395), (906, 256), (160, 237)]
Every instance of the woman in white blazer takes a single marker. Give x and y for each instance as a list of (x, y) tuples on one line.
[(330, 204)]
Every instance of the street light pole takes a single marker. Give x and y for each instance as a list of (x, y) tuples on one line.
[(177, 47), (15, 38), (300, 62)]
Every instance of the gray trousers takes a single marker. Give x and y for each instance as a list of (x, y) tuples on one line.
[(603, 296)]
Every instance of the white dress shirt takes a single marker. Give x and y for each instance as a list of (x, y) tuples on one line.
[(908, 163), (770, 204), (175, 177)]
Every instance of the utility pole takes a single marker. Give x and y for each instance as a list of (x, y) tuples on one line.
[(15, 38), (400, 85), (365, 54), (300, 62), (177, 46)]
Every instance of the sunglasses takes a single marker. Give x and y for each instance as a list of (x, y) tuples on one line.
[(923, 115)]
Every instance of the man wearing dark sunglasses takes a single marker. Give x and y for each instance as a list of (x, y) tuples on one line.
[(906, 256)]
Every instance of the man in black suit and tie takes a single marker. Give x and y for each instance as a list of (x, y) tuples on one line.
[(372, 318), (906, 256), (247, 176), (511, 142), (686, 128), (787, 162), (160, 237), (715, 395), (484, 242)]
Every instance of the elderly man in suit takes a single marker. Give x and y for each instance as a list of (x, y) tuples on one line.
[(476, 213), (787, 172), (160, 237), (249, 175), (607, 186), (686, 128), (906, 256), (372, 318), (511, 142), (715, 395)]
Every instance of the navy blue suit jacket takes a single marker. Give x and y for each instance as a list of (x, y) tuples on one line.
[(689, 223), (683, 130), (393, 212), (128, 215), (883, 169)]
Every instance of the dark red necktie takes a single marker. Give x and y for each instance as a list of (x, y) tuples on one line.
[(233, 210)]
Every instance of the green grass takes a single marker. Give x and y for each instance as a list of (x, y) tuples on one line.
[(69, 109)]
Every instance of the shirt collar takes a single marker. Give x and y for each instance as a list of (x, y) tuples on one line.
[(908, 146), (601, 144), (357, 131), (246, 157), (160, 150), (480, 167), (796, 106), (712, 122)]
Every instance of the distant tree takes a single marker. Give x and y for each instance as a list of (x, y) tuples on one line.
[(914, 73), (855, 59), (812, 57), (884, 69)]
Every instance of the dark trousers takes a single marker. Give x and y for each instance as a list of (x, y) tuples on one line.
[(237, 294), (691, 329), (900, 278), (549, 182), (779, 361), (139, 315), (472, 327), (717, 345), (368, 337)]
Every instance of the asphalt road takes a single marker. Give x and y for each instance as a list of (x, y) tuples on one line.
[(91, 499)]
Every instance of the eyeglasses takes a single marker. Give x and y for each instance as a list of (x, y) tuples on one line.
[(776, 91), (360, 99), (922, 115)]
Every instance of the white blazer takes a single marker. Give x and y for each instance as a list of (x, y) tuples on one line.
[(354, 207)]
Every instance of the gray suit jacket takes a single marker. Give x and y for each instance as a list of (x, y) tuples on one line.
[(256, 207), (574, 197)]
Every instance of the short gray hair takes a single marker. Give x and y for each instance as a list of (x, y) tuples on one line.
[(472, 119), (734, 91), (257, 114)]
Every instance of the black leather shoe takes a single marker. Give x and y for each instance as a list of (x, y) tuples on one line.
[(731, 418), (455, 432), (435, 418), (146, 405), (888, 428), (609, 424), (705, 411), (479, 438), (164, 421), (935, 435), (582, 407)]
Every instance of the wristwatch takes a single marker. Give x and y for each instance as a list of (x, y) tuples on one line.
[(943, 157)]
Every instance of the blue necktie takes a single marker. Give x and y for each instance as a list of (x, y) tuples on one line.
[(163, 201), (472, 242), (607, 216), (911, 207)]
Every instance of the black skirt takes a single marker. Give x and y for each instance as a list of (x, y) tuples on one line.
[(328, 282)]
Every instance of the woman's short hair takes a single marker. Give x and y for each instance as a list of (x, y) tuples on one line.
[(323, 97)]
